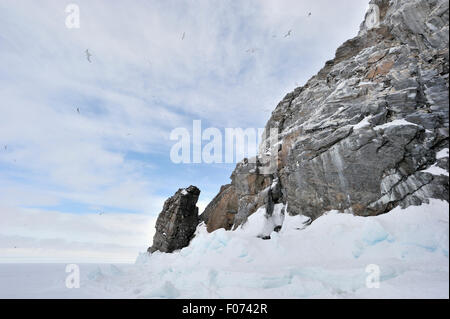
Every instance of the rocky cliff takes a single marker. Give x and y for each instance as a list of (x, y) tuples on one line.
[(177, 221), (366, 134)]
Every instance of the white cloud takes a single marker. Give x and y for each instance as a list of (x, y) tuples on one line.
[(60, 237), (144, 81)]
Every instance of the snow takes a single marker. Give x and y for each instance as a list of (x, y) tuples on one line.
[(364, 123), (274, 183), (398, 122), (365, 83), (184, 192), (435, 170), (330, 258), (259, 225), (442, 153)]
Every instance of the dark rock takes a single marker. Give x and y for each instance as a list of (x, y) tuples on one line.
[(177, 221)]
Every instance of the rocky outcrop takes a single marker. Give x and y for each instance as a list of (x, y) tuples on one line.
[(177, 221), (361, 135)]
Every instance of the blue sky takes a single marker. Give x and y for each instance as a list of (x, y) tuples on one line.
[(61, 168)]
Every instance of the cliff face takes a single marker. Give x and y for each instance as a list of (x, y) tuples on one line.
[(366, 134)]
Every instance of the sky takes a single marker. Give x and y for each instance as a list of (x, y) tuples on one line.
[(85, 146)]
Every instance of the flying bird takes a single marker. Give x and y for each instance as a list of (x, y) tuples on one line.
[(309, 14), (78, 110), (253, 50), (288, 33), (6, 147), (184, 34), (88, 55)]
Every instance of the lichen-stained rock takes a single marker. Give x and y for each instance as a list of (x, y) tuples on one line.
[(177, 221), (221, 211), (362, 135)]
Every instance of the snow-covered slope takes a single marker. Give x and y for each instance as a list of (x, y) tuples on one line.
[(330, 259), (334, 257)]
